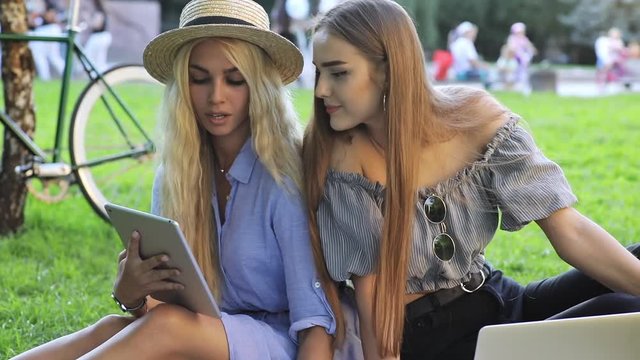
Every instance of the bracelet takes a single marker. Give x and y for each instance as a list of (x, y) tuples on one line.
[(124, 307)]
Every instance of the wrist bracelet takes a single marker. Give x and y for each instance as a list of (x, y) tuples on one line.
[(124, 307)]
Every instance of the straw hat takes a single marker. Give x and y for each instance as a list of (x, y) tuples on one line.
[(239, 19)]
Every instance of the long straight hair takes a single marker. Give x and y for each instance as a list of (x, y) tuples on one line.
[(416, 115), (187, 154)]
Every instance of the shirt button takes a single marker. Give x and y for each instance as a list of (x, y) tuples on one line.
[(317, 284)]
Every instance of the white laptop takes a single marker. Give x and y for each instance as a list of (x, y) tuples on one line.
[(610, 337)]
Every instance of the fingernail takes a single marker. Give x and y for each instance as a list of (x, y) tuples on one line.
[(164, 258)]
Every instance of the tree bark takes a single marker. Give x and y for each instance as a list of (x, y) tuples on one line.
[(18, 72)]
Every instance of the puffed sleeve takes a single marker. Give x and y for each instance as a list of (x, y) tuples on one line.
[(528, 186), (350, 222), (308, 305)]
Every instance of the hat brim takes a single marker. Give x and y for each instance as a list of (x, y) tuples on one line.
[(160, 53)]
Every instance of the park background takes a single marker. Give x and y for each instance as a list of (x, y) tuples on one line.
[(563, 30), (57, 272)]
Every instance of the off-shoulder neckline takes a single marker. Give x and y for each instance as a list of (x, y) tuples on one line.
[(375, 187)]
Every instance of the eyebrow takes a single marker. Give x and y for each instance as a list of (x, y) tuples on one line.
[(332, 63), (226, 71)]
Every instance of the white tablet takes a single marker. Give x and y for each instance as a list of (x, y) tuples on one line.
[(163, 236)]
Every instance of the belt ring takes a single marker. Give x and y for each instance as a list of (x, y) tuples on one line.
[(464, 288)]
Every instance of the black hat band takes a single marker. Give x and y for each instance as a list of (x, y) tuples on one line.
[(217, 20)]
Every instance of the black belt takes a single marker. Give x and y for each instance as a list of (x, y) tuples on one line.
[(432, 301)]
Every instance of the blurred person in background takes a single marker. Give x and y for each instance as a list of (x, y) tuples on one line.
[(524, 51), (94, 23), (281, 21), (44, 18), (611, 55), (467, 64), (507, 65)]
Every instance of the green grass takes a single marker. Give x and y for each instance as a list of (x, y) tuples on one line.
[(102, 138), (595, 143), (57, 273)]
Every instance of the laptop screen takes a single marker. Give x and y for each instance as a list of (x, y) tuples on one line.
[(611, 337)]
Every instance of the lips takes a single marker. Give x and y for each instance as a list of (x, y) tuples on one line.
[(216, 117), (331, 108)]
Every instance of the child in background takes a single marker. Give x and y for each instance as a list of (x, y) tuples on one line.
[(507, 65)]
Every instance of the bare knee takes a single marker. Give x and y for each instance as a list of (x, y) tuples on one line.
[(180, 332), (168, 317)]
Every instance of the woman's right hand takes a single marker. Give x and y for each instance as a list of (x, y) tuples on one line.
[(139, 277)]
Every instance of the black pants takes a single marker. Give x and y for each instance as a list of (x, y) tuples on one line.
[(450, 332), (574, 294)]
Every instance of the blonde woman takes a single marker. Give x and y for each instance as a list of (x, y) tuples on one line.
[(406, 185), (230, 175)]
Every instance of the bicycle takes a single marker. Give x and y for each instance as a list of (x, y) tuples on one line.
[(110, 153)]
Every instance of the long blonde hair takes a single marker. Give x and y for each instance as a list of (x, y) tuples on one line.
[(187, 154), (416, 115)]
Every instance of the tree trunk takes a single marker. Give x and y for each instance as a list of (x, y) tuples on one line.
[(18, 71)]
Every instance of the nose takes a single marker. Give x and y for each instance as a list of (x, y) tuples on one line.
[(217, 92), (322, 89)]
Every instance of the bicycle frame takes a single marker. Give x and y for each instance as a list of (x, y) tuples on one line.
[(69, 40), (71, 48)]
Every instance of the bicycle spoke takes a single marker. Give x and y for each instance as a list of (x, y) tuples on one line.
[(103, 135)]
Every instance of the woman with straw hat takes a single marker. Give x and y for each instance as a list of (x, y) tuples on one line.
[(229, 174)]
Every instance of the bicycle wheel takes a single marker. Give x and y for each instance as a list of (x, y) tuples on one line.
[(112, 152)]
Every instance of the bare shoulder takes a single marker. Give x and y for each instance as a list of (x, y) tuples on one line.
[(494, 116), (344, 155)]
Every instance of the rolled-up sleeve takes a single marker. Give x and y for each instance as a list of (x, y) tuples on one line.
[(308, 305)]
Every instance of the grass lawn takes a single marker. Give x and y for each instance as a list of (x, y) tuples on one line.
[(57, 273)]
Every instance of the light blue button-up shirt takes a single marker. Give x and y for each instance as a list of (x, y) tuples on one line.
[(265, 253)]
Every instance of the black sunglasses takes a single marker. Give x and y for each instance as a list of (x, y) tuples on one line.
[(436, 210)]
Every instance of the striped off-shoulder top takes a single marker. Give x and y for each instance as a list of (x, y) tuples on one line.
[(510, 185)]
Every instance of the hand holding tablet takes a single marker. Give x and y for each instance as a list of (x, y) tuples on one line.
[(163, 236)]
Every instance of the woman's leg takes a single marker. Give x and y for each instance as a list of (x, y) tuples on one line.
[(549, 297), (167, 332), (74, 345), (612, 303)]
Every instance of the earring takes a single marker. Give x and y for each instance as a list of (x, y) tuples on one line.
[(384, 102)]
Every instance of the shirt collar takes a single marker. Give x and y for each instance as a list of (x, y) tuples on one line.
[(244, 163)]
